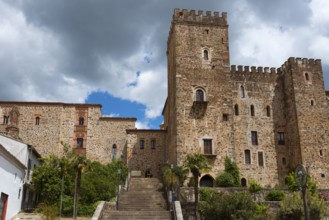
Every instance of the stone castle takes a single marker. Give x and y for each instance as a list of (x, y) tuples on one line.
[(268, 120)]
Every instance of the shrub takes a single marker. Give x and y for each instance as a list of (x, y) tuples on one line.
[(225, 180), (254, 187), (231, 176), (215, 205), (291, 207), (274, 195), (50, 211)]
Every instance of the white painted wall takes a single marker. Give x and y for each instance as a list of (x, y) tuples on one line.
[(11, 183), (16, 148)]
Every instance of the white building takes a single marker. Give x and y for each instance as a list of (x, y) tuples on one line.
[(26, 155), (12, 174)]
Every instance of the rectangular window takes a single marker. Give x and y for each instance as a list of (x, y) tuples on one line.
[(254, 139), (80, 142), (5, 120), (225, 117), (141, 144), (281, 138), (260, 159), (207, 145), (247, 158), (153, 144)]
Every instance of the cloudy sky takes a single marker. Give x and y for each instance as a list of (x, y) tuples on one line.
[(113, 52)]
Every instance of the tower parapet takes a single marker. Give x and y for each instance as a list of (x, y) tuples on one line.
[(246, 72), (183, 15), (302, 61)]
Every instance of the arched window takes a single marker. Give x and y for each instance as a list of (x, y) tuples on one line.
[(247, 158), (81, 121), (243, 182), (207, 181), (307, 77), (37, 120), (268, 111), (312, 102), (199, 95), (242, 95), (236, 109), (205, 55), (252, 110), (114, 151)]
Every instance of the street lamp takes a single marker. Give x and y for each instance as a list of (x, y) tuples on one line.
[(118, 194), (301, 178)]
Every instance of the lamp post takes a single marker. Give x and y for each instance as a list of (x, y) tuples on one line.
[(301, 178), (118, 194)]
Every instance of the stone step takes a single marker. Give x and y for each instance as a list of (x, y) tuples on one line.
[(134, 215)]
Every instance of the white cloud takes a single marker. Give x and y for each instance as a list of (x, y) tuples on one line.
[(142, 125)]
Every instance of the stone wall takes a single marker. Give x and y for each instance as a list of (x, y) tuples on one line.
[(149, 155), (59, 122)]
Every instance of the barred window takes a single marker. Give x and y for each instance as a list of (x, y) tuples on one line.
[(142, 144), (254, 138), (247, 158), (280, 136)]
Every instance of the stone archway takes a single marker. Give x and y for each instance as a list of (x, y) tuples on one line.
[(207, 181)]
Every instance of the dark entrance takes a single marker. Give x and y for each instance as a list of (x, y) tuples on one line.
[(207, 181)]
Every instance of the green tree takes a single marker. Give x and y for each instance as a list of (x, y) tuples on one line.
[(254, 188), (196, 163), (231, 175), (98, 182)]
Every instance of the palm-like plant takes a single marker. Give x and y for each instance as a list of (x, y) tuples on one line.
[(197, 163)]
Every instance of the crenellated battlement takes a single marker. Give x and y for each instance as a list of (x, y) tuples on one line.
[(254, 71), (183, 15), (301, 61)]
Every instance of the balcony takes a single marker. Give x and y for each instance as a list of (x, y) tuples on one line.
[(79, 150), (198, 109)]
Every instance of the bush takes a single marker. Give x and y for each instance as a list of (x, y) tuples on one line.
[(215, 205), (274, 195), (50, 211), (292, 207), (225, 180)]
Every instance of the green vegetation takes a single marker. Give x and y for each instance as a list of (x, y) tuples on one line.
[(254, 188), (196, 163), (63, 176), (274, 195), (215, 205), (294, 186), (291, 207), (231, 176)]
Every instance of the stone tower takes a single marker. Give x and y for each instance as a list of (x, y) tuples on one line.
[(306, 112), (197, 53)]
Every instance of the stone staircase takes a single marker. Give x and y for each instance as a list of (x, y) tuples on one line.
[(145, 199)]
